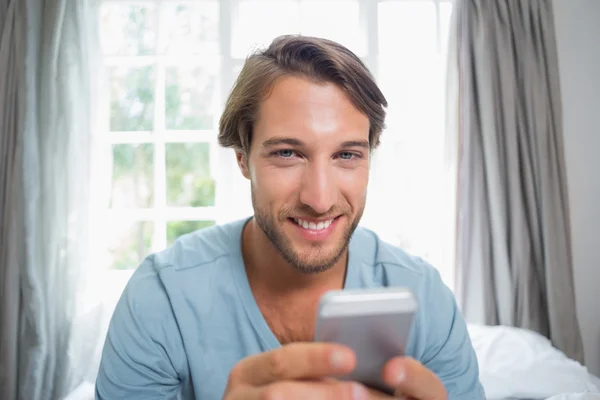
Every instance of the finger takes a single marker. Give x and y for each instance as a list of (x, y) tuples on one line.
[(378, 395), (411, 379), (295, 361), (302, 390)]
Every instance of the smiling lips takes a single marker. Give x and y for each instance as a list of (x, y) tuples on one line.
[(312, 225), (312, 230)]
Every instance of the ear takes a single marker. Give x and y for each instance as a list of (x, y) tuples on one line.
[(242, 161)]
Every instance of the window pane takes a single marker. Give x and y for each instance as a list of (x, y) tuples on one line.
[(412, 70), (132, 184), (189, 183), (445, 16), (128, 29), (178, 228), (191, 96), (407, 28), (191, 28), (131, 98), (257, 22), (334, 19), (413, 201), (415, 94), (130, 243)]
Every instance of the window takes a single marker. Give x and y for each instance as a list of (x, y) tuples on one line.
[(168, 66)]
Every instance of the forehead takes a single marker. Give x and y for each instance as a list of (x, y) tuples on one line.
[(309, 111)]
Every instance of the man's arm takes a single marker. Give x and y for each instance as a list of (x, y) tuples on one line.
[(449, 353), (142, 348)]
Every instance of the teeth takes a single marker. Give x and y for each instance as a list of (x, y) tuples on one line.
[(312, 226)]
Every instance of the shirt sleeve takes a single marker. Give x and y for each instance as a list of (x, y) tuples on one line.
[(139, 359), (449, 352)]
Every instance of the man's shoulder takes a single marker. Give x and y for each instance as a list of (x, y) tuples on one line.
[(148, 290), (439, 337), (380, 253), (202, 247), (197, 250)]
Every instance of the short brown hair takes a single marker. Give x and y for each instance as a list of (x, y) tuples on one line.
[(319, 60)]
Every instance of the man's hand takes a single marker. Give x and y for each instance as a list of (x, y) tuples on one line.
[(296, 371), (305, 371), (412, 380)]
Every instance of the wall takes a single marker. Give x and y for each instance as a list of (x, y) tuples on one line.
[(578, 40)]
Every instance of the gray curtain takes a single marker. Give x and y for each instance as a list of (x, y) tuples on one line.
[(514, 252), (11, 67), (46, 129)]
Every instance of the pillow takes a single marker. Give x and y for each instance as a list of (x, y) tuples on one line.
[(515, 362)]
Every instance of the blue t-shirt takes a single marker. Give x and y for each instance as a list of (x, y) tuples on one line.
[(188, 315)]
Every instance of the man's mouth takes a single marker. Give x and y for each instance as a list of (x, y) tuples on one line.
[(314, 225)]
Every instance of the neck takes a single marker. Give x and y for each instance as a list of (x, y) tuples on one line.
[(269, 273)]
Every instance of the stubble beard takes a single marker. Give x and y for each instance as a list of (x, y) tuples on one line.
[(321, 261)]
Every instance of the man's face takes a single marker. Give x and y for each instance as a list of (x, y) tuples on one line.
[(309, 168)]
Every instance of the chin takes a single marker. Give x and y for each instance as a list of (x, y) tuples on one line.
[(314, 255), (311, 264)]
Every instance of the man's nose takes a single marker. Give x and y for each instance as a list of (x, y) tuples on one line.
[(318, 189)]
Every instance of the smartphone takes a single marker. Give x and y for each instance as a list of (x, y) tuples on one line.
[(375, 323)]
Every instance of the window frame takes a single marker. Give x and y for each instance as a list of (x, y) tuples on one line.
[(222, 162)]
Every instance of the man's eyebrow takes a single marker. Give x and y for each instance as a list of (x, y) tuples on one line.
[(357, 143), (276, 141)]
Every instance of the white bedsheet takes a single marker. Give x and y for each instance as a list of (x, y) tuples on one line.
[(520, 364), (576, 396)]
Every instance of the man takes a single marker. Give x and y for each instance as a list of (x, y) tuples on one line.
[(229, 312)]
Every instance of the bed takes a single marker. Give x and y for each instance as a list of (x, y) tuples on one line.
[(520, 364), (514, 364)]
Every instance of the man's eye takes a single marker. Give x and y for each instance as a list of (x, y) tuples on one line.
[(346, 155), (285, 153)]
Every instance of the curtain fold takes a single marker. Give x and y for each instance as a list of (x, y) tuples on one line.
[(47, 51), (11, 67), (513, 248), (57, 139)]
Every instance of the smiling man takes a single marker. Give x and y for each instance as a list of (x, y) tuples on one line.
[(229, 312)]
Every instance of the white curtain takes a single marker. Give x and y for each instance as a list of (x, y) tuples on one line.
[(514, 245), (58, 125), (11, 67)]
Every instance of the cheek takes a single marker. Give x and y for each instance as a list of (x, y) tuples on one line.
[(276, 185), (353, 184)]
